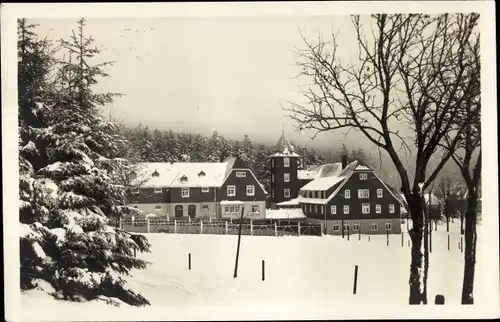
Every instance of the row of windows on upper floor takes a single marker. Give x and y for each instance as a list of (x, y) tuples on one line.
[(286, 162), (365, 209), (362, 194), (230, 191), (227, 209), (286, 177)]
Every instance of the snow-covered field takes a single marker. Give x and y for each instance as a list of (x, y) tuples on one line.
[(300, 272)]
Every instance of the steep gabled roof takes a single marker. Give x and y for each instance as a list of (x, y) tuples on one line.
[(323, 177), (284, 143)]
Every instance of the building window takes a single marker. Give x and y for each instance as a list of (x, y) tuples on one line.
[(231, 208), (378, 209), (363, 176), (158, 190), (286, 193), (241, 174), (375, 226), (185, 192), (346, 209), (388, 225), (391, 208), (336, 226), (231, 191), (205, 189), (287, 177), (204, 207), (347, 193), (333, 209), (255, 209), (363, 193), (251, 190), (379, 193), (226, 209), (272, 177), (355, 226), (346, 225), (157, 208), (365, 208), (286, 162)]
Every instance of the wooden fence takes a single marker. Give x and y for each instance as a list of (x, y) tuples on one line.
[(221, 227)]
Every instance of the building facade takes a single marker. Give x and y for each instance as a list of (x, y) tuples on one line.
[(207, 190)]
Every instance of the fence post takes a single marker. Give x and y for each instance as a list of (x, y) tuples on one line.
[(175, 226), (322, 230), (402, 239), (387, 233), (210, 219), (298, 228), (251, 227), (226, 226), (368, 238), (448, 242), (355, 279), (201, 226), (461, 244), (147, 223), (275, 229), (189, 218), (189, 261), (263, 270)]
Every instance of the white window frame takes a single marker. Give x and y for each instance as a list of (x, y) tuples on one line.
[(286, 193), (286, 177), (361, 193), (346, 225), (355, 226), (252, 190), (366, 193), (333, 209), (158, 190), (226, 209), (183, 194), (363, 176), (336, 226), (241, 174), (365, 206), (233, 188), (388, 225), (346, 207), (380, 193), (374, 224), (158, 208), (255, 212), (205, 189), (392, 208), (286, 162), (347, 194), (231, 209), (378, 209)]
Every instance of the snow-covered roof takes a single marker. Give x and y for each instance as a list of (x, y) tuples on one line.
[(434, 199), (362, 167), (291, 202), (286, 153), (301, 199), (193, 174), (294, 213), (231, 202), (306, 174), (327, 176), (284, 144)]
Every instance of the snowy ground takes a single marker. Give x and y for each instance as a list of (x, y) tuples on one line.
[(300, 272)]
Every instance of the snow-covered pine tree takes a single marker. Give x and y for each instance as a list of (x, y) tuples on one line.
[(247, 151), (67, 238), (213, 148)]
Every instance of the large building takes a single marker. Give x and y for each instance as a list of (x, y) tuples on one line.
[(210, 190), (338, 195)]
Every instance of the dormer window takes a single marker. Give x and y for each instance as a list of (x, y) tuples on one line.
[(241, 174), (155, 174), (184, 179), (201, 174)]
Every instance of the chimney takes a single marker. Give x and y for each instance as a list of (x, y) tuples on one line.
[(344, 161)]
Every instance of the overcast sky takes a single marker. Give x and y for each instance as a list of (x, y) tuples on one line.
[(203, 74)]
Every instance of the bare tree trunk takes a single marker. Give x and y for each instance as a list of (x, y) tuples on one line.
[(470, 250), (427, 223), (415, 207), (462, 220)]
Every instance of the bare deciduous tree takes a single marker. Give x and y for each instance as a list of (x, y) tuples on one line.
[(411, 71)]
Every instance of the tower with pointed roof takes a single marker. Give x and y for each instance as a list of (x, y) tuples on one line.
[(284, 165)]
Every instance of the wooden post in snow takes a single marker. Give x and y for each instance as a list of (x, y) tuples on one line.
[(201, 226), (147, 224), (226, 226), (251, 227), (275, 229), (322, 230), (355, 279), (238, 247), (298, 228), (263, 270), (189, 261), (402, 239), (448, 242), (175, 226)]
